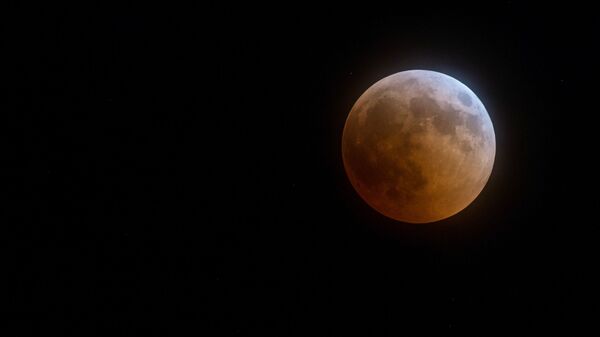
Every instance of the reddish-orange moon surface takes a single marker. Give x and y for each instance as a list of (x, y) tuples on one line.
[(418, 146)]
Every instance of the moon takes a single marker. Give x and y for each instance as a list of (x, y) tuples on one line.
[(418, 146)]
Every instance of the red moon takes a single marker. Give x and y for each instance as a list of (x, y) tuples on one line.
[(418, 146)]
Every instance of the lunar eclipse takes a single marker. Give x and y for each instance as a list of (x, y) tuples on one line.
[(418, 146)]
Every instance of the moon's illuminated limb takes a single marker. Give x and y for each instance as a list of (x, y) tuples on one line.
[(418, 146)]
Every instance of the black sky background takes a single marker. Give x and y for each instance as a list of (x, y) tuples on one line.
[(182, 172)]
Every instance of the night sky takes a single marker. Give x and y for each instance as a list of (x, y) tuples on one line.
[(182, 172)]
